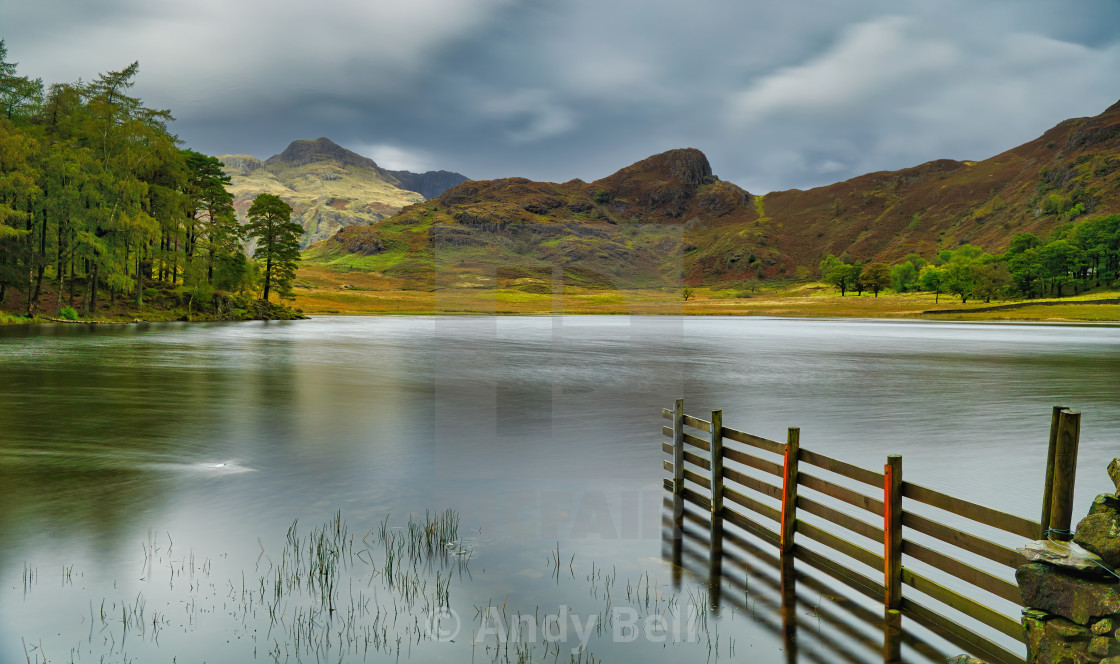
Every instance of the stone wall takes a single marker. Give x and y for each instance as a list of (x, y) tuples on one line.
[(1072, 592)]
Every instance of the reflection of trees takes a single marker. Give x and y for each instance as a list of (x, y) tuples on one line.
[(99, 426)]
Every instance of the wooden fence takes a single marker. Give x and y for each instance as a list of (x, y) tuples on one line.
[(733, 492)]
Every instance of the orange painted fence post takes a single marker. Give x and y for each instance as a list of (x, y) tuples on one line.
[(892, 531), (789, 513)]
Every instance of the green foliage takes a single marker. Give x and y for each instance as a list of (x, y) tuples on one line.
[(1079, 255), (68, 313), (96, 196), (875, 277), (991, 280), (1056, 204), (904, 276), (932, 279), (687, 293), (277, 238), (840, 274)]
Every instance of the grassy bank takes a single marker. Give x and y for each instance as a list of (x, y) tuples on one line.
[(162, 303), (325, 290)]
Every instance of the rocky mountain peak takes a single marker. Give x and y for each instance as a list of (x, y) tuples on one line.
[(686, 165), (304, 152)]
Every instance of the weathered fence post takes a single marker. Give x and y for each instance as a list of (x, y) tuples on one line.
[(1048, 485), (892, 531), (715, 552), (717, 484), (678, 462), (678, 490), (892, 636), (789, 508), (1065, 470)]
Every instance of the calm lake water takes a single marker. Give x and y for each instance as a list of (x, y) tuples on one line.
[(149, 474)]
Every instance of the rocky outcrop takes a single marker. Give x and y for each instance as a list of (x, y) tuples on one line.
[(1073, 614)]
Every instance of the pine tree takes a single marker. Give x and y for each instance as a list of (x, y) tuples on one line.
[(277, 239)]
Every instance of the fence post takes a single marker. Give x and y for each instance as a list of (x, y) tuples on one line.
[(789, 515), (789, 490), (892, 531), (678, 467), (716, 538), (1048, 485), (1065, 469)]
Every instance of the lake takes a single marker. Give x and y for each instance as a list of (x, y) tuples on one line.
[(150, 474)]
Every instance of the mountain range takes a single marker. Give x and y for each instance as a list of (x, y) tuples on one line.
[(330, 187), (668, 217)]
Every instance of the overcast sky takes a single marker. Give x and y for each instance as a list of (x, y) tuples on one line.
[(779, 95)]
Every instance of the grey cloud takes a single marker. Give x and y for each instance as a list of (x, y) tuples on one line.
[(779, 95)]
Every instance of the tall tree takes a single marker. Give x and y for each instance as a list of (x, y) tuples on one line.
[(213, 206), (277, 236), (20, 96), (838, 273), (875, 277), (932, 278)]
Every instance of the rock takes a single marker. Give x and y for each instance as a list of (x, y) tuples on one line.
[(1102, 627), (1114, 473), (1100, 533), (1079, 599), (964, 659), (1061, 554), (1104, 503), (1101, 646), (1058, 641), (1066, 631)]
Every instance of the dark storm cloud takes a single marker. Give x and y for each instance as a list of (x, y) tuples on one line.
[(778, 95)]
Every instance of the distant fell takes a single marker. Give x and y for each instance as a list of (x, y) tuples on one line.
[(328, 186), (429, 184), (668, 218)]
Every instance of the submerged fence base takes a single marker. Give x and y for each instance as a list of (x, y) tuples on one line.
[(738, 488)]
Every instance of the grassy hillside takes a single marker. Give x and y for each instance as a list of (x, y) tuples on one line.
[(668, 219), (327, 186)]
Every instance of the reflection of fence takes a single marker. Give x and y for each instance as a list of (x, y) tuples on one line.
[(733, 481)]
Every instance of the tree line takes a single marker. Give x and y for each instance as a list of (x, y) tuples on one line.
[(99, 201), (1076, 256)]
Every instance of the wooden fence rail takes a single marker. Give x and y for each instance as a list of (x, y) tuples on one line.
[(728, 491)]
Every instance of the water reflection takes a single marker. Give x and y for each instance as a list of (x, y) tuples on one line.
[(817, 621), (540, 431)]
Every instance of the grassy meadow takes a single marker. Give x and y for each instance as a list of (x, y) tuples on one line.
[(327, 290)]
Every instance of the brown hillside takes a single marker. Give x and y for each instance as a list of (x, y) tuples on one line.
[(942, 204), (668, 217)]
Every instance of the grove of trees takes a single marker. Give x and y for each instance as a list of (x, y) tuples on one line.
[(98, 201), (1076, 256)]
